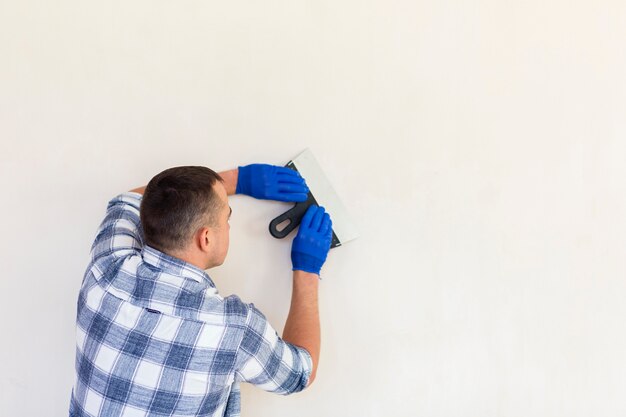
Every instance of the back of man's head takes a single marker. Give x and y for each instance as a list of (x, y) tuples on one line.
[(176, 203)]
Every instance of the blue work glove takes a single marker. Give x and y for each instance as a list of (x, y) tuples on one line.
[(312, 243), (269, 182)]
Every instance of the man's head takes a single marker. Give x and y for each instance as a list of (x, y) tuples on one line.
[(185, 212)]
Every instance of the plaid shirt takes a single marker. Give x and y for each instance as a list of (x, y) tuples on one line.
[(154, 337)]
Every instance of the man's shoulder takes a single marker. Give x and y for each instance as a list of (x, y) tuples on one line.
[(235, 310)]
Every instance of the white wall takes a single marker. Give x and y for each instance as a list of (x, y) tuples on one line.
[(480, 145)]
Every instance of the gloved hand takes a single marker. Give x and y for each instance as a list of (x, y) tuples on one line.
[(312, 243), (269, 182)]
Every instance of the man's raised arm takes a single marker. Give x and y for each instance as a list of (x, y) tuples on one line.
[(229, 177)]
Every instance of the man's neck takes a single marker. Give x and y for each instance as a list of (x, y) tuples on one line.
[(195, 259)]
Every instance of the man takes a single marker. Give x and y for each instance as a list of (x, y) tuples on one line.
[(154, 337)]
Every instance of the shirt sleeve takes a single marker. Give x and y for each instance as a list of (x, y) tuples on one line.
[(120, 232), (267, 361)]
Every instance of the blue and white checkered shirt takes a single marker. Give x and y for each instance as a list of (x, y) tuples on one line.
[(154, 337)]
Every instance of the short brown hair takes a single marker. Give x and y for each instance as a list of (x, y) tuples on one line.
[(176, 203)]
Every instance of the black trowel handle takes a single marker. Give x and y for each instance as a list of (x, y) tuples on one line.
[(293, 217)]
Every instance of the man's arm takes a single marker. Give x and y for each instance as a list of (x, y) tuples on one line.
[(119, 233), (308, 253), (303, 322), (229, 177), (230, 180), (262, 181), (139, 190)]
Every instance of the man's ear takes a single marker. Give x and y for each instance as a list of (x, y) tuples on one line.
[(204, 239)]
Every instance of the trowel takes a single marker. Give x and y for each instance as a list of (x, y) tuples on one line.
[(321, 193)]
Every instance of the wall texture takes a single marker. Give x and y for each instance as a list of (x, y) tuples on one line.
[(479, 145)]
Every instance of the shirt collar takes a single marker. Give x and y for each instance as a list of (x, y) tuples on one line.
[(174, 266)]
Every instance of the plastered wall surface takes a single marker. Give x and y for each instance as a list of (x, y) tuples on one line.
[(480, 147)]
